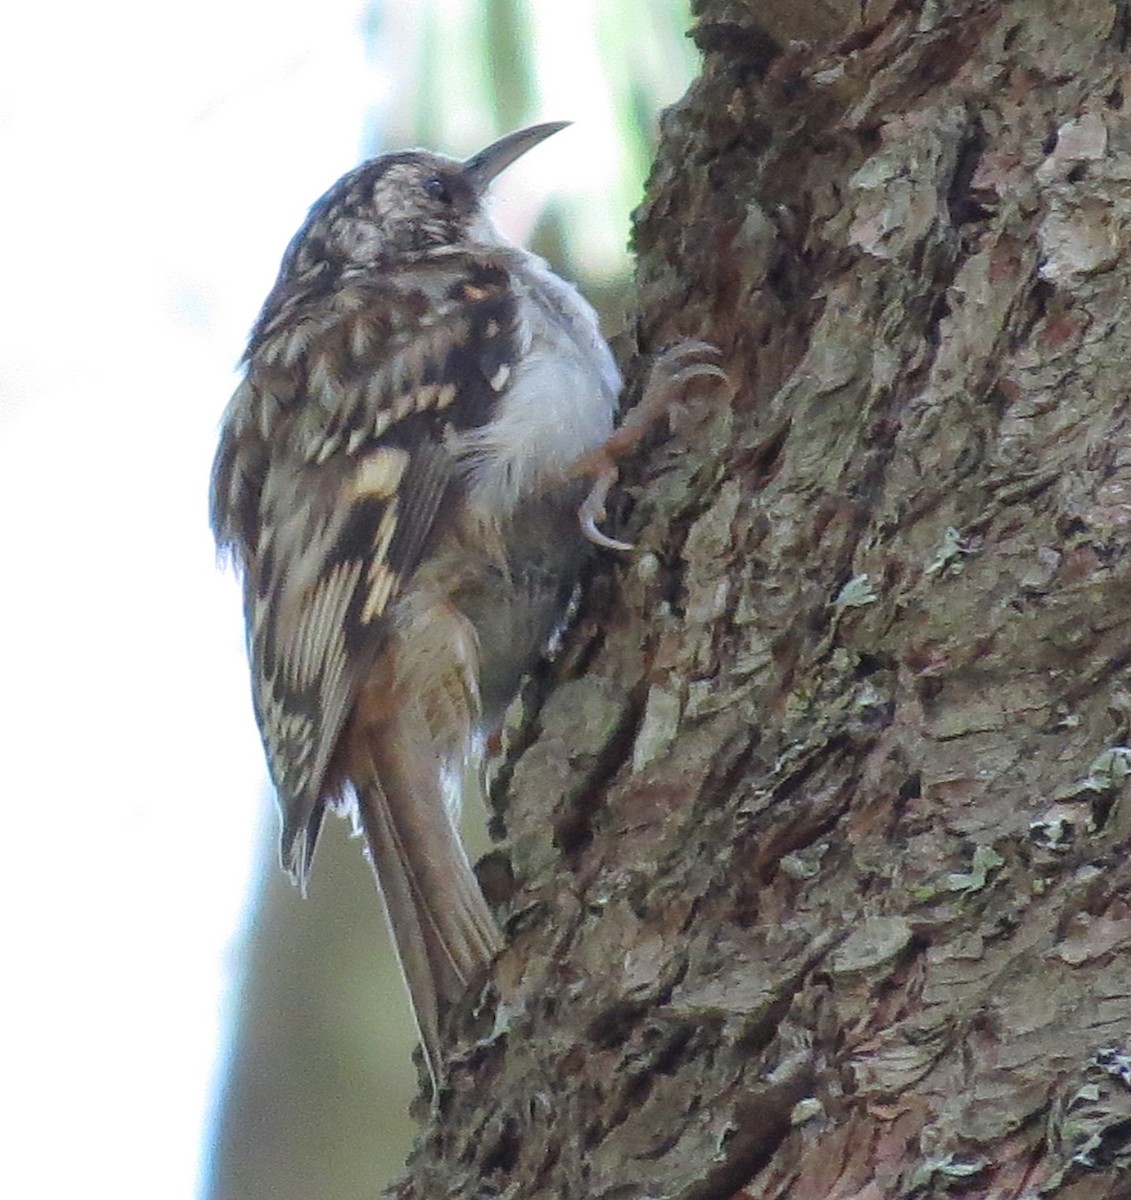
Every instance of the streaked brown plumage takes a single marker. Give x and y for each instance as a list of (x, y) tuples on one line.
[(399, 481), (393, 483)]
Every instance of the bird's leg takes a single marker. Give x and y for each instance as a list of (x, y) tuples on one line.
[(670, 374)]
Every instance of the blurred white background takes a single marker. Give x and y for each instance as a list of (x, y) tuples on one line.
[(156, 162)]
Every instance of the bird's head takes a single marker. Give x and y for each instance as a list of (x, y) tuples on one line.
[(404, 205)]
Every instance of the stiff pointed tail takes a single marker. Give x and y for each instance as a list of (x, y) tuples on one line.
[(444, 933)]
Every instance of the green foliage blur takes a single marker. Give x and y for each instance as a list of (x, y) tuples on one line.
[(468, 71)]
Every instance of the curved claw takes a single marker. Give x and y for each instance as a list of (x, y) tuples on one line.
[(688, 348), (696, 370), (592, 510), (671, 372), (594, 535)]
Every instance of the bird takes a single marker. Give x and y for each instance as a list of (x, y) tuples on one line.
[(401, 481)]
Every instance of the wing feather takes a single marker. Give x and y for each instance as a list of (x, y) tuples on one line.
[(333, 480)]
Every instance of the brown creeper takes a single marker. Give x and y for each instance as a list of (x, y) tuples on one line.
[(397, 480)]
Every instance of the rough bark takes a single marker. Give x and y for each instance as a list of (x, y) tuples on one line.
[(816, 878)]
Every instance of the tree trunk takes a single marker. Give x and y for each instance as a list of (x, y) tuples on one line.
[(816, 839)]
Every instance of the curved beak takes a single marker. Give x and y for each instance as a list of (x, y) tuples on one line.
[(481, 168)]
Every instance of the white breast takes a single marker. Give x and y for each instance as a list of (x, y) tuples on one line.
[(556, 405)]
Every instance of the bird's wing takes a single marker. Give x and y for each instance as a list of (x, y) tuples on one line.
[(334, 479)]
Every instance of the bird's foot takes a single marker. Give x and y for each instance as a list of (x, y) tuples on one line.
[(670, 374)]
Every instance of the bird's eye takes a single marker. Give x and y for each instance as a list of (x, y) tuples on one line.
[(437, 189)]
